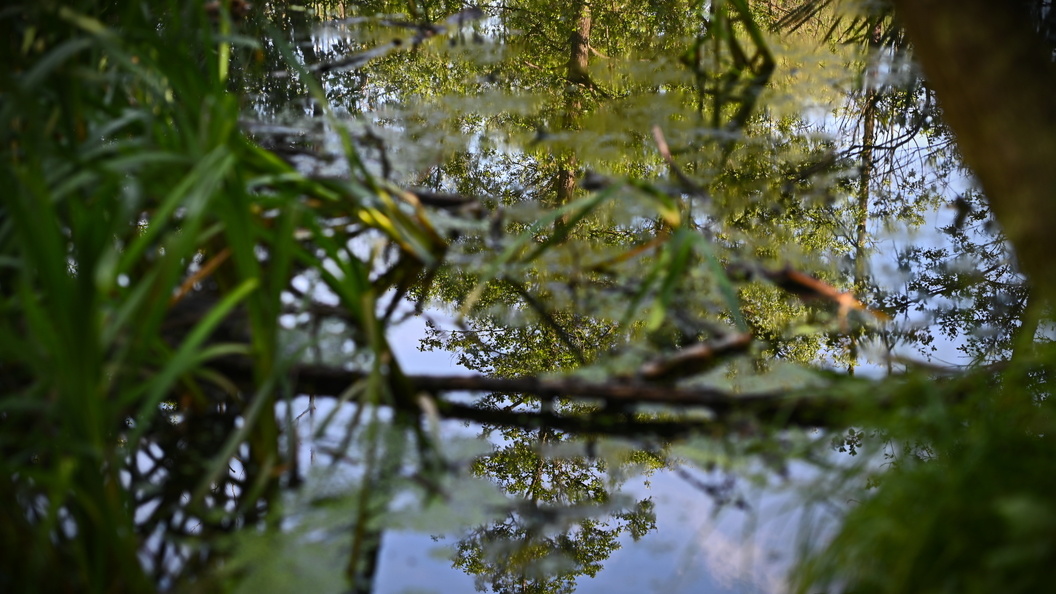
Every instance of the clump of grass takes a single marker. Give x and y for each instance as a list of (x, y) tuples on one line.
[(130, 192)]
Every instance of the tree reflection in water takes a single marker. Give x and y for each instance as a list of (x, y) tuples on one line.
[(650, 232)]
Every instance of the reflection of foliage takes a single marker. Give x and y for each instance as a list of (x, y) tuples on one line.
[(970, 287), (531, 550), (496, 347), (556, 533)]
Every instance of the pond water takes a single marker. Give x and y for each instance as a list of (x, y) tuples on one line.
[(671, 296), (754, 151)]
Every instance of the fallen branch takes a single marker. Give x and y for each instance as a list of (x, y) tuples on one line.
[(817, 407)]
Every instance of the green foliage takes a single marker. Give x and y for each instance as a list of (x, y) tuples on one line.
[(972, 513), (132, 191), (99, 130), (631, 180)]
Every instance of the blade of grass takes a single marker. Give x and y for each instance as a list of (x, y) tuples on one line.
[(184, 360)]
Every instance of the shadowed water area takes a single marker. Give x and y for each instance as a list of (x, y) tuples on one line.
[(522, 297)]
